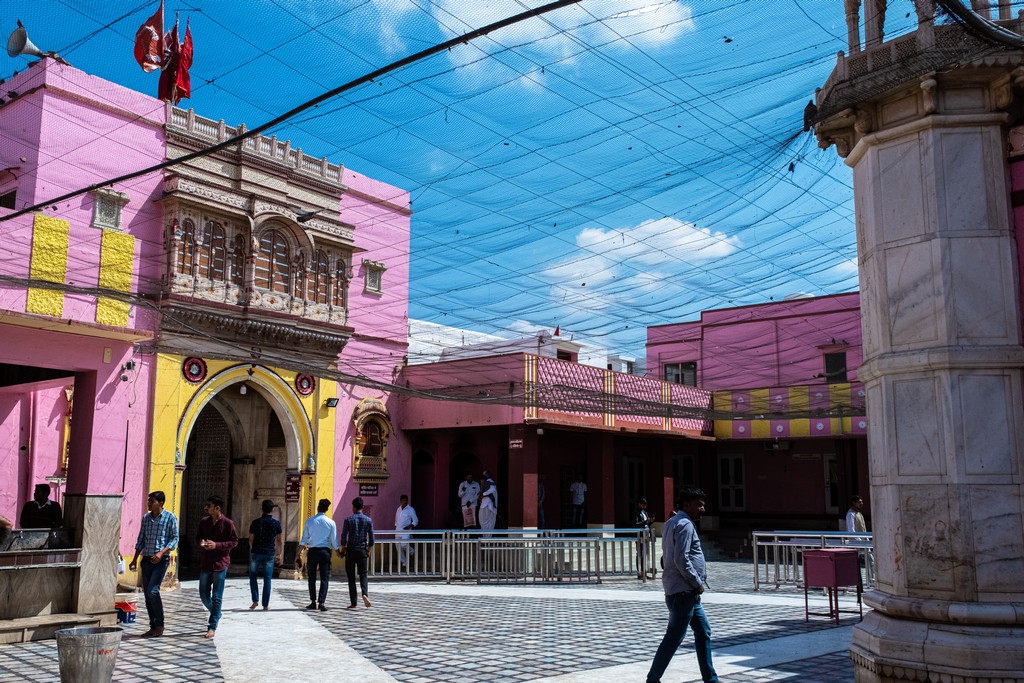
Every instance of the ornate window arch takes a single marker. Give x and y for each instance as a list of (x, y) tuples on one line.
[(213, 253), (273, 271), (370, 451), (187, 248), (320, 272), (339, 290)]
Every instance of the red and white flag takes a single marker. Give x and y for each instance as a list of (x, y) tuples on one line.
[(149, 42)]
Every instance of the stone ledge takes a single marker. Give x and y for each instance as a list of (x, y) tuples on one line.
[(44, 626)]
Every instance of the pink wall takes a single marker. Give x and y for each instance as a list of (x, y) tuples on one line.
[(379, 344), (769, 345)]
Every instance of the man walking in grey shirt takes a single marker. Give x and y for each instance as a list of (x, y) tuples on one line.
[(684, 579)]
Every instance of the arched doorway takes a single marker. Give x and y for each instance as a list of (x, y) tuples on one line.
[(239, 450)]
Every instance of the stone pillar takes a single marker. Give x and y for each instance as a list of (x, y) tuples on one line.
[(600, 480), (943, 372), (95, 525)]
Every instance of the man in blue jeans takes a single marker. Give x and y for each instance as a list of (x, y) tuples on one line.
[(265, 547), (158, 536), (216, 537), (684, 577)]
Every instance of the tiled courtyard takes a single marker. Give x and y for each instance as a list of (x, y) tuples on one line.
[(423, 632)]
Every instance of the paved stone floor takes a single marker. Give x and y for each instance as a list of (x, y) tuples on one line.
[(425, 632)]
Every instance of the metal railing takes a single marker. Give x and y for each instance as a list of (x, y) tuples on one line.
[(778, 555), (515, 555)]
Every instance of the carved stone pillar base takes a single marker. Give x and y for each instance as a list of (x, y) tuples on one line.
[(886, 649)]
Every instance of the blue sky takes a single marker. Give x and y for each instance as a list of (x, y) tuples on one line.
[(612, 165)]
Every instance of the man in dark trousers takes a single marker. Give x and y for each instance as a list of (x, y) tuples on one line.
[(216, 537), (356, 541), (41, 512), (158, 536), (319, 538), (684, 579), (265, 547)]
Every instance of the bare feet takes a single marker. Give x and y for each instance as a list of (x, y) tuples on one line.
[(366, 600), (154, 632), (254, 605), (211, 634)]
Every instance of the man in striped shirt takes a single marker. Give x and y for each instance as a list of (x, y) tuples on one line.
[(157, 538), (356, 541)]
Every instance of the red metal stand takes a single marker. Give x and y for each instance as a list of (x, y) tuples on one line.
[(832, 569)]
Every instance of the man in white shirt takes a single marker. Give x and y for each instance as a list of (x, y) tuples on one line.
[(405, 519), (469, 494), (578, 492), (855, 522)]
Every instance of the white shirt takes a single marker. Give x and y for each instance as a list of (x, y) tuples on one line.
[(469, 493), (578, 491), (404, 516), (486, 502), (855, 521)]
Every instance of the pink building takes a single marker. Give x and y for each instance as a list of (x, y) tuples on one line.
[(790, 423), (230, 325)]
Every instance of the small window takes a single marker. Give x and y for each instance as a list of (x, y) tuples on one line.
[(374, 271), (275, 432), (682, 373), (106, 208), (8, 199), (564, 355), (835, 367)]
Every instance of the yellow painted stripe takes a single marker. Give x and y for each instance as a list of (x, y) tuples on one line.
[(760, 429), (800, 427), (839, 393), (798, 398), (117, 255), (723, 429), (49, 263), (759, 401)]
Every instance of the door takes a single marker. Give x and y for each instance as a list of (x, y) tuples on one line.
[(731, 483), (831, 464)]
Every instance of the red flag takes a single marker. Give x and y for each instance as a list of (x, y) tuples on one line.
[(184, 84), (174, 80), (558, 330), (149, 41)]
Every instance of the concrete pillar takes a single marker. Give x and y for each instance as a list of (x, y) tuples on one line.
[(600, 480), (95, 524), (522, 476), (943, 372)]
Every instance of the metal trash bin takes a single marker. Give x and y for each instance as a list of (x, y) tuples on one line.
[(87, 655)]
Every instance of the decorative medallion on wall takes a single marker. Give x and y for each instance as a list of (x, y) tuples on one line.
[(370, 447), (194, 370), (304, 384)]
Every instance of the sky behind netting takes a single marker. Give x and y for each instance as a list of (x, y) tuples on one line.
[(609, 166)]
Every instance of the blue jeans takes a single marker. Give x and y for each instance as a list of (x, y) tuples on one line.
[(152, 577), (255, 562), (684, 609), (211, 592)]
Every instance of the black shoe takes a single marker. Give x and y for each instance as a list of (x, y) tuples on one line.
[(323, 608), (311, 605)]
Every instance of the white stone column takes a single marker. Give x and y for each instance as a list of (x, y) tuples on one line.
[(943, 372)]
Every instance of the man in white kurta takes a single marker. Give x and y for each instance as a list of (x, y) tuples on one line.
[(488, 503), (405, 519), (469, 495)]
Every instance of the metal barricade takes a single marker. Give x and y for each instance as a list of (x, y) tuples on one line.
[(515, 555), (778, 554)]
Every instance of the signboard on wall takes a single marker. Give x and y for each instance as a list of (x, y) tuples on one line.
[(368, 490), (292, 488)]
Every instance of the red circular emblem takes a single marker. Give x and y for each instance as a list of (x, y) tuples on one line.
[(304, 384), (194, 370)]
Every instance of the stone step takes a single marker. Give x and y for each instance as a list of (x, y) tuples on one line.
[(43, 626)]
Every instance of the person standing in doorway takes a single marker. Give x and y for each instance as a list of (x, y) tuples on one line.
[(684, 579), (319, 538), (41, 512), (216, 537), (642, 520), (356, 541), (405, 519), (158, 536), (488, 503), (578, 498), (469, 495), (265, 547)]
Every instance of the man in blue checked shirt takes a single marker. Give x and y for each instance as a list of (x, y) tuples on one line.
[(157, 538), (319, 538), (356, 541)]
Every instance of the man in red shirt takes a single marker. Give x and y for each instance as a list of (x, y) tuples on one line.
[(216, 537)]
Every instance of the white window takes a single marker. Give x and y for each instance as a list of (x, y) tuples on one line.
[(374, 272), (106, 208)]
